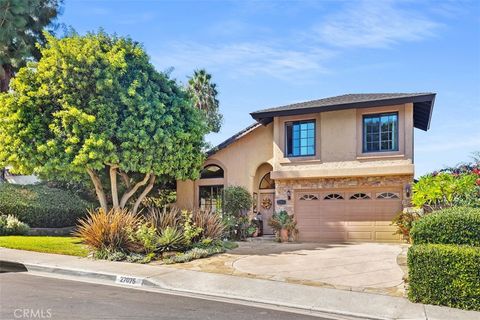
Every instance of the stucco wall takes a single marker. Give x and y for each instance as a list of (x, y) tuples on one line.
[(339, 146), (240, 161), (338, 153)]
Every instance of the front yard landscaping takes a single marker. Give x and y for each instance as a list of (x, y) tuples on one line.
[(443, 263), (60, 245)]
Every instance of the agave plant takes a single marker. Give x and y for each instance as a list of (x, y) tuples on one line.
[(171, 239), (109, 231)]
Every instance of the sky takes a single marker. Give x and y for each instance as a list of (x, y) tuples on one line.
[(269, 53)]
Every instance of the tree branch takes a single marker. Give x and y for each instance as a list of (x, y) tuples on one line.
[(129, 193), (125, 179), (98, 189), (113, 184), (147, 189)]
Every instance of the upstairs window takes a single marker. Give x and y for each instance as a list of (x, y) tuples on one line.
[(211, 171), (380, 132), (300, 138)]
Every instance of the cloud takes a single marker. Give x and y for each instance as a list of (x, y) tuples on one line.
[(304, 52), (244, 58), (375, 24)]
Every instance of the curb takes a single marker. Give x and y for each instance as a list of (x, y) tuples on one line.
[(9, 266)]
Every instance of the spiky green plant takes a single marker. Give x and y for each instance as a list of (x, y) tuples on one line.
[(171, 239)]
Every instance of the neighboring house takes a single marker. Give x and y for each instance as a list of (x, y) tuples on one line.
[(342, 165)]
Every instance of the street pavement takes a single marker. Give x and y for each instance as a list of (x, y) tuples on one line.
[(26, 296), (260, 293)]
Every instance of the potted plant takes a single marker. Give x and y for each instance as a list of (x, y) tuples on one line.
[(283, 224)]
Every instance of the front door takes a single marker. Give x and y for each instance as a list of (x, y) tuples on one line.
[(266, 204)]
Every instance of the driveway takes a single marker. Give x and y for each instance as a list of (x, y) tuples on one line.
[(369, 267)]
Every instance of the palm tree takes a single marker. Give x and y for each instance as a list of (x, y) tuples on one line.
[(204, 95)]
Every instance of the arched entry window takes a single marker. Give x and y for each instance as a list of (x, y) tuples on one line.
[(211, 171), (267, 182)]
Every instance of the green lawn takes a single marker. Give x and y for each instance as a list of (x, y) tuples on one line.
[(60, 245)]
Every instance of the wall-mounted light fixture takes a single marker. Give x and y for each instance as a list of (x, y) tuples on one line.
[(408, 190), (289, 195)]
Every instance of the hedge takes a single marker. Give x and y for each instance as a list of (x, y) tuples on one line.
[(445, 275), (457, 225), (42, 206)]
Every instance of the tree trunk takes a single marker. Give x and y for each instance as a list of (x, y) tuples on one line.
[(147, 189), (6, 77), (129, 193), (98, 189), (125, 178), (113, 184)]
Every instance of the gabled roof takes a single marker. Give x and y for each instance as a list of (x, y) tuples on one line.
[(422, 102), (234, 138)]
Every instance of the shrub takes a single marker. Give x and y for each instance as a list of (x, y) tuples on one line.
[(190, 230), (444, 190), (42, 206), (163, 198), (211, 224), (109, 231), (162, 218), (145, 235), (404, 221), (283, 220), (237, 200), (192, 254), (457, 225), (445, 275), (10, 225)]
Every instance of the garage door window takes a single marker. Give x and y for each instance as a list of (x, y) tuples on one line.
[(333, 196), (309, 197), (359, 196), (387, 195)]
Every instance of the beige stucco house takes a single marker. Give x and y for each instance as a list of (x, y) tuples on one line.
[(342, 165)]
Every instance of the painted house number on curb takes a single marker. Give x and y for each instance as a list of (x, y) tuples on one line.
[(131, 281)]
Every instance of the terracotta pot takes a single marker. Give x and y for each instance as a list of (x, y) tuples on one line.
[(283, 235)]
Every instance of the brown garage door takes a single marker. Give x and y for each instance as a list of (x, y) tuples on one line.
[(347, 215)]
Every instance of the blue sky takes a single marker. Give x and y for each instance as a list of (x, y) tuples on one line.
[(270, 53)]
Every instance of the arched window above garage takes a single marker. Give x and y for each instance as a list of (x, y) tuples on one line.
[(211, 171)]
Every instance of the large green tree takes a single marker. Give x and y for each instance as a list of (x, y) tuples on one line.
[(21, 27), (95, 104), (204, 94)]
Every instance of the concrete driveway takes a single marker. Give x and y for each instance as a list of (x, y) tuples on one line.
[(368, 267)]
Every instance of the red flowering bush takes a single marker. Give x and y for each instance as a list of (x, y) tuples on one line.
[(453, 186)]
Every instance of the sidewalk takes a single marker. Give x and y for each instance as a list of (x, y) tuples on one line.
[(325, 300)]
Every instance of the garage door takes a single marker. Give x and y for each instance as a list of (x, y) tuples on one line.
[(347, 215)]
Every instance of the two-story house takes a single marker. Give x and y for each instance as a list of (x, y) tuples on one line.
[(342, 165)]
